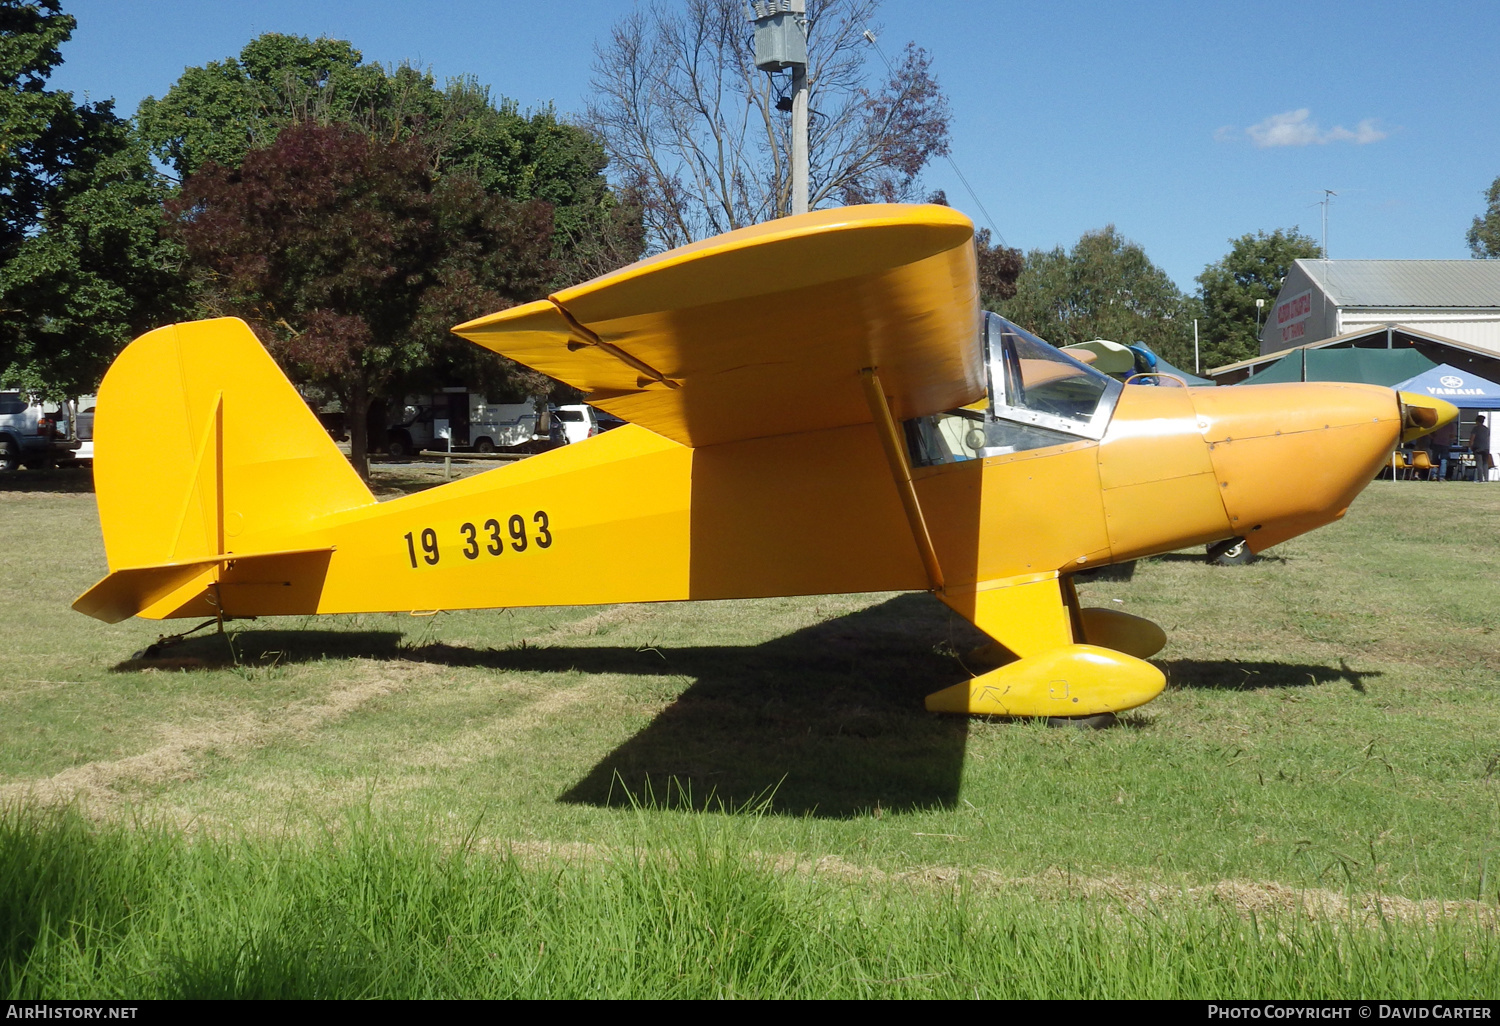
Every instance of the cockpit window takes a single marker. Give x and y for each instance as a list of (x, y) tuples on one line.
[(1034, 383), (1039, 397)]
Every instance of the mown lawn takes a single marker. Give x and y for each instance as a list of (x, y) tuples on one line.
[(1329, 740)]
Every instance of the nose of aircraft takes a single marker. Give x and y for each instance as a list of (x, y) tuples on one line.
[(1423, 414), (1292, 457)]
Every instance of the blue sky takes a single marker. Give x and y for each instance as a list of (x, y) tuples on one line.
[(1182, 124)]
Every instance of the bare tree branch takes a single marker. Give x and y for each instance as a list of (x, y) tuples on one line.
[(694, 133)]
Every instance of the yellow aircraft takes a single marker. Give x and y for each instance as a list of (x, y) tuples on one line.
[(816, 405)]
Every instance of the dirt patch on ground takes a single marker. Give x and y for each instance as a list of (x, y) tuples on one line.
[(1245, 897), (101, 785), (614, 616), (96, 783)]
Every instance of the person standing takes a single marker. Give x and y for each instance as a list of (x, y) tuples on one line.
[(1479, 445)]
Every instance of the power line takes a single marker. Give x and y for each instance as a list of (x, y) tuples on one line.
[(870, 36)]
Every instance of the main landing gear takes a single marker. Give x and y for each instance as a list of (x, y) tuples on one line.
[(1077, 665)]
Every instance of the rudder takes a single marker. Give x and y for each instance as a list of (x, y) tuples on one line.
[(202, 447)]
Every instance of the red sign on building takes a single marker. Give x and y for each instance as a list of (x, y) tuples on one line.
[(1290, 315)]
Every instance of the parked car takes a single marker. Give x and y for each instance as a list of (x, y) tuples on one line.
[(83, 423), (578, 422), (33, 434)]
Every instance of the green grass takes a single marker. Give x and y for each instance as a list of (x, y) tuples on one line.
[(1330, 734), (365, 911)]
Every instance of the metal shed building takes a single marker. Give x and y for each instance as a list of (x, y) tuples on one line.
[(1324, 299)]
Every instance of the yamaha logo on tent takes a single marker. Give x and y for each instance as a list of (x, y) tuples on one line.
[(1461, 387)]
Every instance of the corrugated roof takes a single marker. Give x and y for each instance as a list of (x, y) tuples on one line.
[(1407, 283)]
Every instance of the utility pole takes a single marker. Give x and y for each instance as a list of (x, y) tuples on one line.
[(799, 138), (1197, 369), (781, 44), (1328, 195)]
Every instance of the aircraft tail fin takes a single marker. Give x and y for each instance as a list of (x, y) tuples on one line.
[(204, 451)]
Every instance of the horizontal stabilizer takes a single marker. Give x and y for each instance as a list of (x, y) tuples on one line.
[(126, 592)]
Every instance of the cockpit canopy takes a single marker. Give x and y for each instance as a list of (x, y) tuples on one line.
[(1039, 396)]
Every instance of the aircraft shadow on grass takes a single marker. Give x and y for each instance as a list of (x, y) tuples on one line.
[(1198, 557), (826, 721), (76, 480), (1234, 675)]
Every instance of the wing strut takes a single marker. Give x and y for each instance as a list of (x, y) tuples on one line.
[(583, 336), (890, 441)]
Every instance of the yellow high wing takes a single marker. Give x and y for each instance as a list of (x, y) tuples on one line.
[(764, 331)]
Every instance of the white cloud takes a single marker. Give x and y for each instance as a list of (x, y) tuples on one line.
[(1296, 128), (1289, 129), (1364, 132)]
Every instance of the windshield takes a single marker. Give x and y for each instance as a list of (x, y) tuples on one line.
[(1039, 397), (1034, 383)]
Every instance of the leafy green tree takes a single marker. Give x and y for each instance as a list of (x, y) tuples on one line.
[(1253, 269), (490, 178), (1104, 287), (221, 111), (82, 266), (1484, 233), (39, 128), (351, 258)]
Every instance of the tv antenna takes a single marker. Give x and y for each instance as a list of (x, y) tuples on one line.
[(1328, 195)]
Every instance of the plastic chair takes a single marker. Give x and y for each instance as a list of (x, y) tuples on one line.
[(1399, 465), (1421, 461)]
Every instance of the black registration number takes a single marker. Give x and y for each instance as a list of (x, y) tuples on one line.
[(491, 538)]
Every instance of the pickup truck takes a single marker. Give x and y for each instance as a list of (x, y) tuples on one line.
[(33, 434)]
